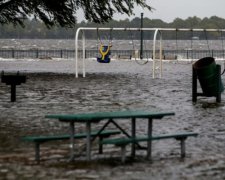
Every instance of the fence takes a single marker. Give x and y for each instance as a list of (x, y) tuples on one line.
[(37, 53), (65, 53)]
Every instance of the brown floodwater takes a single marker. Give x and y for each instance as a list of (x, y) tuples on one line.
[(52, 88)]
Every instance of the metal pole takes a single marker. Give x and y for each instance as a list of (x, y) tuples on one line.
[(133, 136), (194, 85), (76, 52), (160, 56), (13, 92), (154, 54), (72, 139), (141, 50), (149, 148), (83, 40), (88, 141)]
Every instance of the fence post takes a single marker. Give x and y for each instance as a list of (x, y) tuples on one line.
[(13, 54), (37, 53), (61, 53)]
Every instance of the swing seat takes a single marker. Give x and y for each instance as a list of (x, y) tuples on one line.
[(106, 60), (105, 52)]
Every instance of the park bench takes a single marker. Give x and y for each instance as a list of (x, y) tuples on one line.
[(37, 140), (123, 142)]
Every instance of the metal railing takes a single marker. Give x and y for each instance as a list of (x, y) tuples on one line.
[(35, 53), (120, 54)]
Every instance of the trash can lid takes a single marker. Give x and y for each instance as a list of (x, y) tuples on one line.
[(204, 62)]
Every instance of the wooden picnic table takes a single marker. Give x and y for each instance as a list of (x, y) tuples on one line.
[(109, 117)]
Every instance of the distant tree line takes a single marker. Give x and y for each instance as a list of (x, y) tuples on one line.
[(37, 29)]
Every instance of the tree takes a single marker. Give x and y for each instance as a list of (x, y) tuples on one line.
[(63, 12)]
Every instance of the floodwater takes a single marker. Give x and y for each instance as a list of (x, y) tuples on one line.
[(26, 44), (121, 85)]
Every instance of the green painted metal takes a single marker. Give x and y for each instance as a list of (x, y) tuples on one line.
[(122, 141), (46, 138), (38, 140), (95, 117), (208, 76)]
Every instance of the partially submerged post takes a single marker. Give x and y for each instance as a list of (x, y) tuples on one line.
[(209, 75), (141, 50), (13, 80)]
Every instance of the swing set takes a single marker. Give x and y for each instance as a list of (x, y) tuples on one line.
[(210, 54), (105, 49)]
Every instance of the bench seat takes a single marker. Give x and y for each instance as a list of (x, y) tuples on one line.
[(123, 142), (37, 140)]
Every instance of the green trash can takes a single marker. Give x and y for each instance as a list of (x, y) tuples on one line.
[(209, 77)]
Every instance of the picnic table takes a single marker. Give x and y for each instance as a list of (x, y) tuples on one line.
[(110, 117)]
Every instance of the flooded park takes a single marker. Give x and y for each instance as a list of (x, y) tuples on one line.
[(51, 88)]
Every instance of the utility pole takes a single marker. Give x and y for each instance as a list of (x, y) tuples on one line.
[(141, 50)]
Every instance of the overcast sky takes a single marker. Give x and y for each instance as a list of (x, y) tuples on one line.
[(168, 10)]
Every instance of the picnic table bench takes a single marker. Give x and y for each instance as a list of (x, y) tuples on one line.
[(38, 140), (123, 142)]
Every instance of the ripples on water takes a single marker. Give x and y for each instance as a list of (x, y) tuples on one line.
[(105, 88), (117, 86), (116, 44)]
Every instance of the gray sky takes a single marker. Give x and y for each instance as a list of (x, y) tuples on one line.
[(168, 10)]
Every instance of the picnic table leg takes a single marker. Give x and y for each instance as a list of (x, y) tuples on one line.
[(182, 142), (100, 150), (72, 131), (88, 143), (123, 153), (149, 148), (13, 92), (133, 134), (194, 85), (37, 152)]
